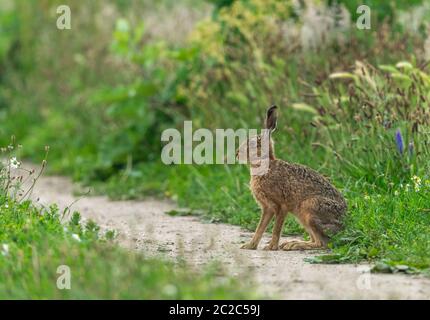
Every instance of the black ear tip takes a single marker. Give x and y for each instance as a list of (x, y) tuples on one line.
[(272, 108)]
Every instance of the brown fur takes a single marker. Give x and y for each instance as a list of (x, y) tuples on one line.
[(297, 189)]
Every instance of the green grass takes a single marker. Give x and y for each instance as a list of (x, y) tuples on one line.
[(34, 243), (391, 227)]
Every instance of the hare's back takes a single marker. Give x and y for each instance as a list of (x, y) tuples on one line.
[(305, 181)]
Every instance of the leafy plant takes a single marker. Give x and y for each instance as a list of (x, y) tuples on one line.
[(380, 113)]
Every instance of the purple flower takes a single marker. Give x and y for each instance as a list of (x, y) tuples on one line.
[(399, 141)]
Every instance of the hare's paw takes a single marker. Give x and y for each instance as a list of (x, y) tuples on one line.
[(271, 247), (285, 245), (293, 245), (249, 246), (300, 245)]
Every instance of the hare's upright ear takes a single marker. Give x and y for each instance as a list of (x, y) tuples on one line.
[(271, 118)]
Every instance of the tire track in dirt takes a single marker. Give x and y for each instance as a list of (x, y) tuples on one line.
[(144, 226)]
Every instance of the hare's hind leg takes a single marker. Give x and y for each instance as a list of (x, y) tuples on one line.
[(318, 241), (266, 215), (312, 214)]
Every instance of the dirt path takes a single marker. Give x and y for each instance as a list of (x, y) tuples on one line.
[(144, 226)]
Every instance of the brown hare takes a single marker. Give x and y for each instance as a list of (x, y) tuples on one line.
[(291, 188)]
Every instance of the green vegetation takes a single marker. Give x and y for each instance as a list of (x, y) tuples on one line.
[(348, 108), (35, 242)]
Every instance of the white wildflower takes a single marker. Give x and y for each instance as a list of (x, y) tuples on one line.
[(76, 237), (14, 163), (396, 193), (5, 249), (417, 183), (416, 179)]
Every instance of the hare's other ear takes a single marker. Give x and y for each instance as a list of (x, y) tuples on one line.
[(271, 118)]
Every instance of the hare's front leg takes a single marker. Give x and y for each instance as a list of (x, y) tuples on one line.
[(276, 233), (266, 215)]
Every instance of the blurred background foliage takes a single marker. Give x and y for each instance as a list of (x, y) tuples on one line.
[(129, 69), (101, 94)]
